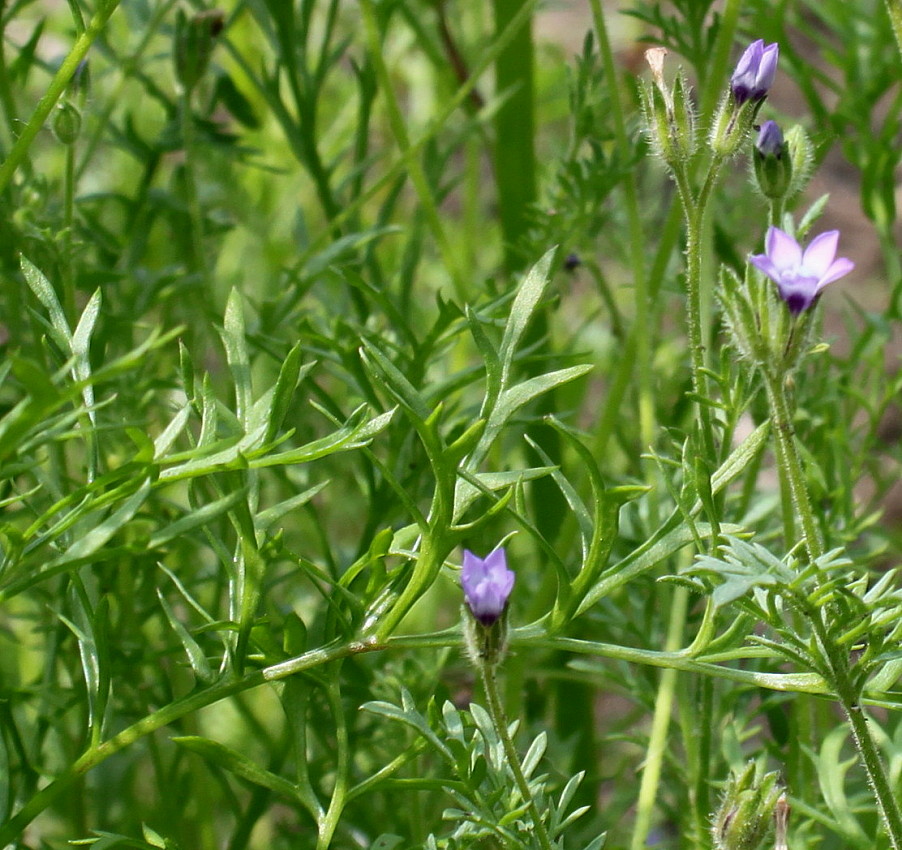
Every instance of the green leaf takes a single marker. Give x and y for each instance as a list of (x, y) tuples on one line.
[(237, 764), (233, 339), (527, 299), (46, 294), (196, 656)]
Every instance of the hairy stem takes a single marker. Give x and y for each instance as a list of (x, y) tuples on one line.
[(498, 718)]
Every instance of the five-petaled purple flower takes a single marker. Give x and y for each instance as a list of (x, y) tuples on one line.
[(755, 71), (487, 584), (800, 276)]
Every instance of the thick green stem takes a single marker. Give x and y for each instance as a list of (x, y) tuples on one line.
[(513, 760)]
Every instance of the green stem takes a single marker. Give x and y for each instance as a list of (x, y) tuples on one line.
[(54, 92), (638, 242), (835, 655), (657, 743), (195, 213), (68, 225), (791, 465), (343, 756), (514, 157), (867, 749), (498, 718), (849, 697), (417, 174), (694, 211)]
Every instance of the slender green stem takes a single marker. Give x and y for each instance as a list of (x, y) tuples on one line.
[(68, 225), (887, 799), (717, 68), (836, 655), (195, 213), (54, 92), (498, 718), (694, 211), (791, 464), (657, 742), (849, 696), (343, 756), (638, 242), (775, 217), (415, 168), (514, 150)]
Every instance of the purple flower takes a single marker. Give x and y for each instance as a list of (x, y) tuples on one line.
[(800, 276), (755, 71), (770, 140), (487, 584)]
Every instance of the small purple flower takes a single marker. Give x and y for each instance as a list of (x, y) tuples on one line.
[(487, 585), (800, 276), (755, 71), (770, 140)]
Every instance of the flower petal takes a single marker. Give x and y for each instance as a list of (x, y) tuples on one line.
[(767, 68), (783, 251), (798, 293), (820, 253), (838, 268), (750, 59), (763, 262)]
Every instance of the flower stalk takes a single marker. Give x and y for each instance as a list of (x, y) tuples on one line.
[(499, 720)]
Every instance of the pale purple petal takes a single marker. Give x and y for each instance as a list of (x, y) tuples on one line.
[(801, 276), (755, 72), (838, 268), (763, 262), (767, 68), (820, 253), (487, 584), (783, 250), (770, 139), (750, 59)]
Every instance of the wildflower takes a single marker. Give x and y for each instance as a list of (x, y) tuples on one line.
[(800, 276), (755, 72), (487, 585)]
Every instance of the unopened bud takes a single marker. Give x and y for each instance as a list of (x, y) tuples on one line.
[(747, 810), (195, 39), (66, 124), (772, 162)]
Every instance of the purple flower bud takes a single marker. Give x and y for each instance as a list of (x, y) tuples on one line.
[(800, 276), (755, 71), (770, 140), (487, 585)]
